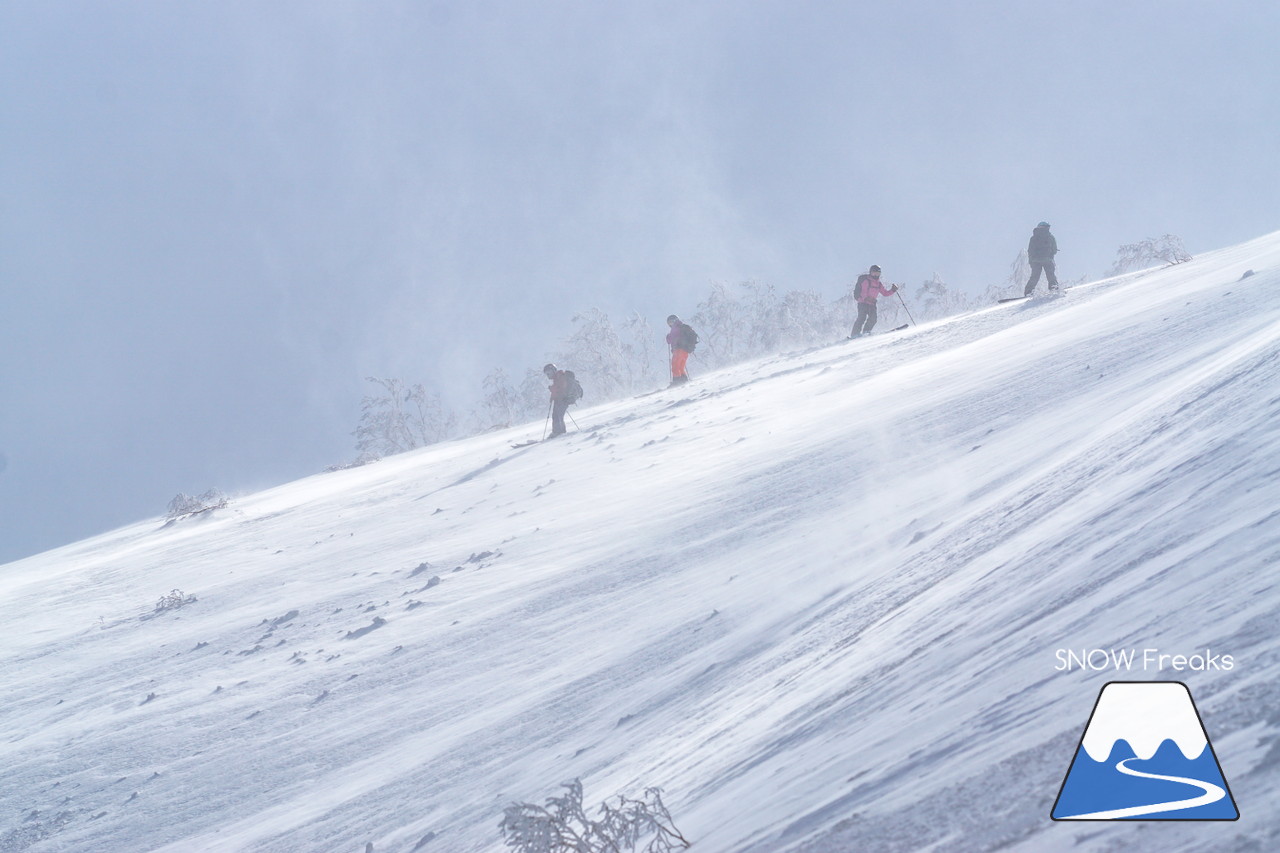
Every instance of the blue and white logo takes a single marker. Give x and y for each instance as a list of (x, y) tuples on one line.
[(1145, 756)]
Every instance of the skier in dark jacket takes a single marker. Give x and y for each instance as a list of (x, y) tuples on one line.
[(1040, 251), (681, 339), (559, 398), (866, 291)]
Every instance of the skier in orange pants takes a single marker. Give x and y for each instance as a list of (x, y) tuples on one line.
[(682, 339)]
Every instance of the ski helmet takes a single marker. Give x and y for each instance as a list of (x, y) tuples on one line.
[(1043, 225), (874, 268), (549, 369), (672, 320)]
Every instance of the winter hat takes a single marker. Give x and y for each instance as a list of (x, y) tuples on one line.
[(673, 319), (874, 268)]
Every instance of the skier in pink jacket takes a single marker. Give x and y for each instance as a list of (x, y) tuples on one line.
[(867, 290)]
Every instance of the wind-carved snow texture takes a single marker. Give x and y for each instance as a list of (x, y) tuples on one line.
[(817, 602)]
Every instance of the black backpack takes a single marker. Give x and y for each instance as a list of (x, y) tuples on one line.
[(573, 388), (689, 338)]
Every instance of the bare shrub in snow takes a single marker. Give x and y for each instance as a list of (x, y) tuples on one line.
[(562, 826), (1149, 253), (401, 418), (359, 462), (183, 504), (173, 600)]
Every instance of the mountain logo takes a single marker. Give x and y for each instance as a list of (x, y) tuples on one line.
[(1145, 755)]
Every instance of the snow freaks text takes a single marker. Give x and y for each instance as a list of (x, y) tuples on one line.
[(1146, 660)]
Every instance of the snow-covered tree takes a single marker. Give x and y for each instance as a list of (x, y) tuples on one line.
[(804, 319), (501, 405), (763, 310), (594, 353), (641, 358), (183, 504), (890, 311), (935, 299), (737, 326), (400, 419), (534, 396), (1149, 253), (1019, 273), (721, 323)]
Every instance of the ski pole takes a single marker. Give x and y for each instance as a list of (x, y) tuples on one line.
[(548, 420), (905, 308), (572, 421)]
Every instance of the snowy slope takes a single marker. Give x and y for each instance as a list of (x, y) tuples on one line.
[(816, 598)]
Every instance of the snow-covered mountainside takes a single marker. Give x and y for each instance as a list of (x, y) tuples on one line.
[(819, 599)]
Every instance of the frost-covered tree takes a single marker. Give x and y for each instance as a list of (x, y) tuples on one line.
[(1019, 272), (733, 326), (534, 395), (594, 353), (1149, 253), (934, 299), (173, 600), (400, 419), (183, 504), (501, 405), (563, 826), (641, 357), (763, 312), (804, 319), (890, 311), (721, 323)]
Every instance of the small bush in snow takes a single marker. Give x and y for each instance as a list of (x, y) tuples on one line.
[(359, 462), (186, 505), (1149, 253), (173, 601), (563, 827)]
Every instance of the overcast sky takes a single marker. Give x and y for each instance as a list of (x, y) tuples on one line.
[(217, 218)]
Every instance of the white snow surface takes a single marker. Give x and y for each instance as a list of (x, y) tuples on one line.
[(1145, 716), (816, 598)]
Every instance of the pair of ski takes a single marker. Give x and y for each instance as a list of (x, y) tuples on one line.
[(1054, 292), (885, 332), (535, 441)]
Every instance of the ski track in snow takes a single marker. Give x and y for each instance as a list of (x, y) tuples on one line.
[(813, 597)]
